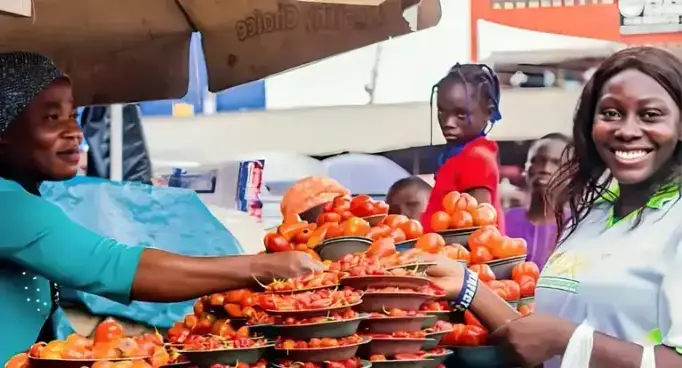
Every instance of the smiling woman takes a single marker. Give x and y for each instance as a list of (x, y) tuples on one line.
[(612, 284), (41, 247)]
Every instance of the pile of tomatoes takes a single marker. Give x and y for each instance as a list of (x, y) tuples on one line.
[(343, 208), (311, 300), (109, 342), (315, 343), (487, 244), (469, 333), (193, 328), (260, 364), (299, 236), (462, 211), (419, 355), (348, 363), (242, 340), (304, 282), (235, 304), (343, 315)]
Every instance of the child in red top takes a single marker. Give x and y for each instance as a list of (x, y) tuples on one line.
[(468, 103)]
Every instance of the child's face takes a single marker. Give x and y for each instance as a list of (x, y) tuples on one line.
[(410, 201), (461, 113)]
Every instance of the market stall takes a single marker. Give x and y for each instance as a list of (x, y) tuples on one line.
[(372, 306)]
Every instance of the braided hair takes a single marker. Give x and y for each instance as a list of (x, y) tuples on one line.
[(487, 89)]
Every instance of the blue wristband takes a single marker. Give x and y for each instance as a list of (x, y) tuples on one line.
[(466, 295)]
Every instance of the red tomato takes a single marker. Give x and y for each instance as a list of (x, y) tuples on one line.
[(398, 235), (362, 206), (513, 289), (456, 252), (484, 214), (360, 199), (430, 242), (440, 221), (380, 208), (461, 220), (328, 217), (473, 336), (108, 331), (527, 309), (276, 243), (485, 273), (381, 248), (452, 338), (394, 221), (466, 202), (487, 236), (450, 202), (355, 226), (509, 247), (525, 269), (412, 229), (480, 255), (527, 285), (471, 320), (378, 232)]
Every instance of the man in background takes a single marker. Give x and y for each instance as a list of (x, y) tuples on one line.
[(409, 197)]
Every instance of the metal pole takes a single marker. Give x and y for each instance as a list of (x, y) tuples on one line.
[(116, 142)]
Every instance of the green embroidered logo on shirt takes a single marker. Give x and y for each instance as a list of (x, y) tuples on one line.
[(559, 283)]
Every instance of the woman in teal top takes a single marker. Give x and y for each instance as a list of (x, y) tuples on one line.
[(40, 245)]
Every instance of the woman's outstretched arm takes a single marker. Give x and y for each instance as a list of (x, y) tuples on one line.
[(37, 235)]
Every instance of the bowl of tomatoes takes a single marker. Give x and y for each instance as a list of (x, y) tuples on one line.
[(392, 344), (320, 350), (405, 360), (438, 356), (383, 324), (348, 363), (334, 325), (377, 302)]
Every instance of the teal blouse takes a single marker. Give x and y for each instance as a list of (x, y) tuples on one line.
[(39, 244)]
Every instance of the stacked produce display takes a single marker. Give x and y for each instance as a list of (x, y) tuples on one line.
[(372, 306)]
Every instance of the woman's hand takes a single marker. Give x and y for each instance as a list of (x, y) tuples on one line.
[(446, 274), (283, 265), (534, 339)]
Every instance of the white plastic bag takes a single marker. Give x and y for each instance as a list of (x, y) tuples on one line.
[(579, 349)]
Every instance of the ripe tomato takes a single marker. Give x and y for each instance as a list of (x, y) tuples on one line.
[(499, 288), (412, 229), (398, 235), (440, 221), (430, 242), (355, 226), (334, 231), (380, 208), (319, 234), (509, 247), (288, 231), (340, 204), (394, 221), (456, 252), (18, 361), (276, 243), (328, 217), (108, 330), (360, 199), (527, 285), (381, 248), (487, 236), (238, 296), (461, 220), (467, 202), (471, 320), (378, 232), (484, 214), (485, 273), (450, 202), (452, 338), (525, 269), (513, 289), (302, 236), (473, 336), (480, 255)]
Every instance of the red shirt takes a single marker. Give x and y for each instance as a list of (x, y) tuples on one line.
[(474, 167)]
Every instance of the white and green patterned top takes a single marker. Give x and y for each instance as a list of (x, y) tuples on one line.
[(623, 281)]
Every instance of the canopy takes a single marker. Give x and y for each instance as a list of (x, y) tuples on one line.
[(134, 50)]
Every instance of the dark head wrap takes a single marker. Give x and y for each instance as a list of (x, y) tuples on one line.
[(22, 76)]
